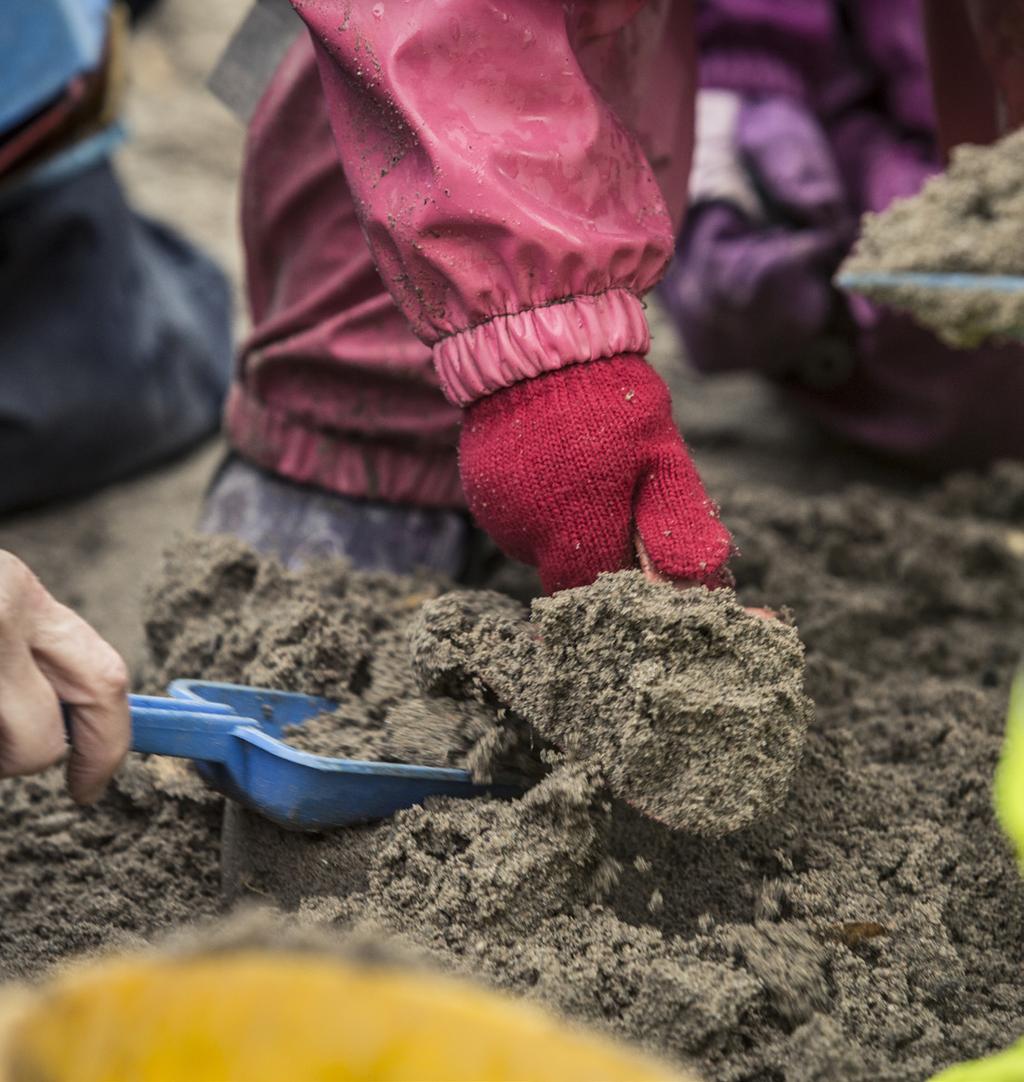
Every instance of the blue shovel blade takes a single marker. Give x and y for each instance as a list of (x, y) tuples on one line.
[(937, 283), (978, 283), (232, 732)]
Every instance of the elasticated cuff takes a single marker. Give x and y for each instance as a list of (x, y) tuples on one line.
[(393, 471), (508, 349)]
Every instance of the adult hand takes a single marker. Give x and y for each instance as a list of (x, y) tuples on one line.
[(49, 654), (566, 469)]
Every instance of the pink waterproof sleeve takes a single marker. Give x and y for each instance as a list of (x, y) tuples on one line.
[(511, 213)]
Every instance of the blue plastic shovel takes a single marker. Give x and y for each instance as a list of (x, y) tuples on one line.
[(232, 733), (990, 283)]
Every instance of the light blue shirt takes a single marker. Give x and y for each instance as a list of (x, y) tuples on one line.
[(44, 44)]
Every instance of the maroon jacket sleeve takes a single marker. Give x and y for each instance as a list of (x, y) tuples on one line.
[(512, 214)]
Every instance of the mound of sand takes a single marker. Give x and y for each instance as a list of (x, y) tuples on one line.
[(688, 706), (969, 219), (691, 709), (860, 932)]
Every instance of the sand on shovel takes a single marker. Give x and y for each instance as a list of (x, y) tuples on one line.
[(691, 709), (233, 616), (969, 220)]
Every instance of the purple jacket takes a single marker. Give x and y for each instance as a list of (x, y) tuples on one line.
[(800, 49), (851, 99)]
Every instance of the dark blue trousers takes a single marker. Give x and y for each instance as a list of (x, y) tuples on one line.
[(115, 343)]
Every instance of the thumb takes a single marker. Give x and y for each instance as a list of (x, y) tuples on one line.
[(678, 524)]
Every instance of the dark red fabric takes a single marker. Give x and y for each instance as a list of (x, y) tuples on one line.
[(564, 470), (962, 85), (976, 55), (332, 387)]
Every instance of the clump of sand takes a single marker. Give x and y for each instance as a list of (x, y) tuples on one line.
[(969, 219), (686, 705), (689, 707)]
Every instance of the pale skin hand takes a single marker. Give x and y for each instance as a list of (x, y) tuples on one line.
[(49, 654)]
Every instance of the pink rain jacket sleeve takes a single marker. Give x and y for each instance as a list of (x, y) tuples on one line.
[(508, 162)]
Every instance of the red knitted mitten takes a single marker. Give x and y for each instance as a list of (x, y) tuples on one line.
[(564, 470)]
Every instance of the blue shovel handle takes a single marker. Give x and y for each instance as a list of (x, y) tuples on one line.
[(162, 726), (975, 283)]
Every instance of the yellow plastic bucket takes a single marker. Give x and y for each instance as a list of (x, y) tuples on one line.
[(262, 1016)]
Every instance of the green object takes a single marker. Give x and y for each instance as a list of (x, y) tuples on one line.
[(1008, 1065), (1009, 784)]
